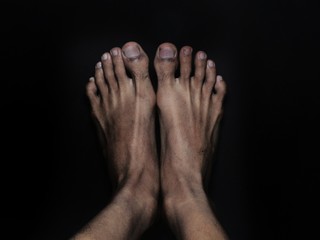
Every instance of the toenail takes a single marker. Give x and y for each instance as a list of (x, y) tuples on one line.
[(166, 53), (91, 79), (187, 51), (202, 56), (131, 52), (211, 63), (105, 56), (219, 78), (114, 52), (98, 65)]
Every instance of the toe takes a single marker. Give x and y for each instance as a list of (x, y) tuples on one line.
[(210, 78), (100, 80), (185, 63), (166, 62), (92, 92), (200, 68), (220, 89), (136, 61), (119, 67), (107, 67)]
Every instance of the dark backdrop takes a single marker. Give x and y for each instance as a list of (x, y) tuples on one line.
[(264, 179)]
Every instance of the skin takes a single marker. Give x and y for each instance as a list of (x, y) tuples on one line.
[(124, 110), (189, 114)]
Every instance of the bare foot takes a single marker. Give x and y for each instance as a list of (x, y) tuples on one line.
[(190, 108), (123, 108)]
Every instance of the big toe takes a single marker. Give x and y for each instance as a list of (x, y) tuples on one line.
[(135, 60), (166, 62)]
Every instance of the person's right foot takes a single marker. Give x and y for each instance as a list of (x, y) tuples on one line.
[(190, 108), (123, 108)]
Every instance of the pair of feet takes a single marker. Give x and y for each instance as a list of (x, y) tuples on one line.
[(190, 108)]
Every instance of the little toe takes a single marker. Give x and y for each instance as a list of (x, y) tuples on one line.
[(220, 88), (92, 92), (166, 62)]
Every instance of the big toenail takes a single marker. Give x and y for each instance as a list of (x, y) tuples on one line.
[(187, 51), (131, 52), (166, 53), (202, 56), (114, 52)]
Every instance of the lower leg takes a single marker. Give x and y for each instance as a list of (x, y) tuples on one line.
[(189, 212), (128, 215)]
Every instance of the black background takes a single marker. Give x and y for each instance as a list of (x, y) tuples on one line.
[(264, 180)]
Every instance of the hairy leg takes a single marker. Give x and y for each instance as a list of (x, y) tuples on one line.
[(190, 108), (123, 107)]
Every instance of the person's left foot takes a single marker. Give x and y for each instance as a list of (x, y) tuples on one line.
[(190, 109), (123, 107)]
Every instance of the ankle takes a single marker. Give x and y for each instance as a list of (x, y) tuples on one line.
[(183, 203), (180, 187), (140, 184), (141, 194), (180, 183)]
